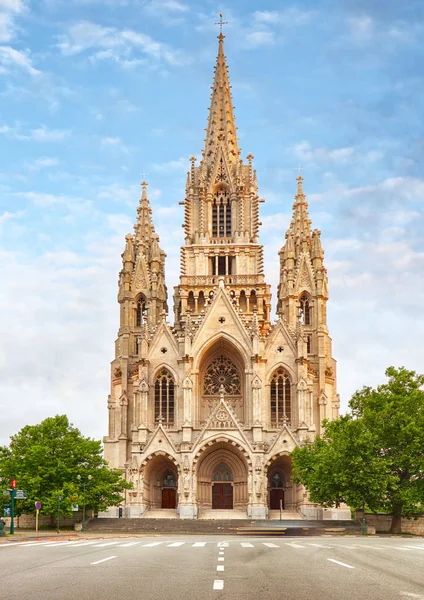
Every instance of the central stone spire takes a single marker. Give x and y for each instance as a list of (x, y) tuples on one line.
[(221, 129)]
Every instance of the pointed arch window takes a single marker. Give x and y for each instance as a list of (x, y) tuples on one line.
[(164, 398), (221, 214), (140, 311), (222, 473), (280, 398), (305, 309), (222, 372)]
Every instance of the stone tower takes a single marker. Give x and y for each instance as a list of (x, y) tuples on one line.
[(204, 414)]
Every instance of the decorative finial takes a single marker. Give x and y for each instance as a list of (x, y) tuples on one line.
[(221, 23)]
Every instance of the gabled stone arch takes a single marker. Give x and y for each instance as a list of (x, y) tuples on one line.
[(212, 340), (153, 470), (221, 357), (228, 454)]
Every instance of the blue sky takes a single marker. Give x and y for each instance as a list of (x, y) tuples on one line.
[(94, 94)]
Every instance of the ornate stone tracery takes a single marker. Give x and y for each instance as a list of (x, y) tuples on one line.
[(222, 372)]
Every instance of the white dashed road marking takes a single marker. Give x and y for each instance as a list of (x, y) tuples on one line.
[(176, 544), (152, 544), (103, 560), (222, 544), (293, 545), (218, 584), (220, 558), (199, 544), (247, 545), (220, 567), (340, 563), (128, 545), (269, 545), (106, 544)]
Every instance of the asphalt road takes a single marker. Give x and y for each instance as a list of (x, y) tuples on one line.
[(211, 567)]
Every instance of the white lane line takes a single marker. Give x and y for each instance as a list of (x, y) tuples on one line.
[(222, 544), (10, 544), (318, 545), (30, 544), (221, 553), (106, 544), (221, 558), (293, 545), (247, 545), (84, 544), (128, 545), (199, 544), (414, 547), (103, 560), (270, 545), (175, 544), (63, 544), (152, 544), (340, 563), (401, 548), (218, 584), (348, 547), (220, 567)]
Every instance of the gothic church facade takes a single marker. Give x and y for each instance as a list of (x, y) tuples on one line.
[(204, 413)]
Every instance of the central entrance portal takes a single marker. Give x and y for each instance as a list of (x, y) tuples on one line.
[(222, 496), (276, 499), (169, 491), (222, 493)]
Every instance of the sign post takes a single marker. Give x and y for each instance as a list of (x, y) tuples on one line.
[(37, 512)]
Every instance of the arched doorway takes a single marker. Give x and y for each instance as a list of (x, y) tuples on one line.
[(160, 484), (222, 477), (280, 487), (222, 487), (276, 491)]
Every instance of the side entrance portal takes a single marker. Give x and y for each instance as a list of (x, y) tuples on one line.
[(276, 499)]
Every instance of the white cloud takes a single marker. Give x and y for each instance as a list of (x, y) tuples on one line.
[(13, 59), (42, 163), (181, 164), (292, 16), (305, 152), (9, 9), (114, 142), (6, 216), (40, 134), (255, 39), (169, 6), (121, 46)]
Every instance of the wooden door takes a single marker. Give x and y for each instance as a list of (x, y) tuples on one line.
[(169, 497), (277, 494), (222, 496)]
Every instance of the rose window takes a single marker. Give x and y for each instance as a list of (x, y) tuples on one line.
[(222, 372)]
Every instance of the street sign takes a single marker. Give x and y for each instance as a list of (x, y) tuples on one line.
[(60, 498), (20, 495), (74, 507), (6, 493), (6, 510), (38, 505)]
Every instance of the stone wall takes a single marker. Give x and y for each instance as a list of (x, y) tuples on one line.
[(382, 522)]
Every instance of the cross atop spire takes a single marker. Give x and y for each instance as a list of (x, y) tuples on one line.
[(221, 127), (221, 23)]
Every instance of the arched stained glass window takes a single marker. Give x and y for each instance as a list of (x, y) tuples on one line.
[(164, 398), (280, 397), (222, 473), (222, 371)]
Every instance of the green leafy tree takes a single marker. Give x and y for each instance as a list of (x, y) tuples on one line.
[(375, 454), (46, 459)]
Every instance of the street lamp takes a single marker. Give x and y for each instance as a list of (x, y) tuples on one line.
[(84, 485)]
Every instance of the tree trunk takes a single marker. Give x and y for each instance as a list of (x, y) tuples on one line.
[(396, 525)]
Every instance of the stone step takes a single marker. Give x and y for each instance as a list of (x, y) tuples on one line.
[(161, 513), (220, 515), (286, 515)]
